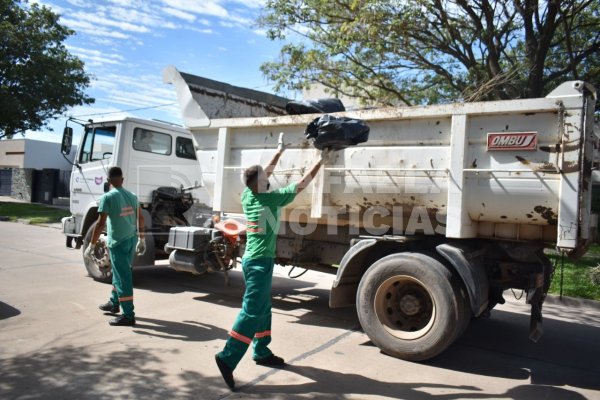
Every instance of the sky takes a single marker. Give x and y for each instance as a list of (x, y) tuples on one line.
[(125, 45)]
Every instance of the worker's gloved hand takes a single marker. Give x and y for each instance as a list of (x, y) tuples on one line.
[(280, 144), (325, 155), (140, 248), (89, 251)]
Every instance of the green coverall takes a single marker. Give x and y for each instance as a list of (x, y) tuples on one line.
[(121, 206), (253, 323)]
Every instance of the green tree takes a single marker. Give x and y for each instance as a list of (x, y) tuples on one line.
[(431, 51), (39, 78)]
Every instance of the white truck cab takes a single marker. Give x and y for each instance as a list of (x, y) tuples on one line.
[(159, 165)]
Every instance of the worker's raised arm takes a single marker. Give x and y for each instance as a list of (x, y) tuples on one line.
[(312, 172), (280, 149)]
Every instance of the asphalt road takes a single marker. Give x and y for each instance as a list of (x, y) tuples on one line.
[(56, 344)]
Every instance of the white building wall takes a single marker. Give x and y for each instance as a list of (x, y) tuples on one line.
[(12, 153), (45, 155), (33, 154)]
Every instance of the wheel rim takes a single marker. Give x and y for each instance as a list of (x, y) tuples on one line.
[(405, 307), (101, 256)]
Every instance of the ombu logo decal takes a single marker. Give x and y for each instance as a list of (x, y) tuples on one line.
[(512, 141)]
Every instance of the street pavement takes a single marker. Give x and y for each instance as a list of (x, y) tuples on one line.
[(56, 344)]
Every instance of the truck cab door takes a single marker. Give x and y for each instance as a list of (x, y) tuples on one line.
[(94, 158)]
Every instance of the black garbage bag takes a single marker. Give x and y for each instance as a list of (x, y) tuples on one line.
[(314, 106), (336, 133)]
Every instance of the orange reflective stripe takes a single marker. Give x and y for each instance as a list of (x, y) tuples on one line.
[(262, 334), (252, 227), (128, 298), (239, 337), (125, 211)]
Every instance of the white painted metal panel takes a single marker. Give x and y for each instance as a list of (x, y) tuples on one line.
[(458, 223), (432, 158)]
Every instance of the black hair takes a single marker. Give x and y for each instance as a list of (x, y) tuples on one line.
[(115, 172), (251, 176)]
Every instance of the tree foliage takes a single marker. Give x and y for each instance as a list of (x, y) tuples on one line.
[(431, 51), (39, 78)]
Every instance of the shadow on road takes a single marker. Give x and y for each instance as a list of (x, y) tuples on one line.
[(187, 330), (162, 279), (567, 354), (7, 311), (289, 295), (80, 372), (86, 373), (326, 384)]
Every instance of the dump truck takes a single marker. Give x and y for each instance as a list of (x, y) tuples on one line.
[(426, 224), (159, 164)]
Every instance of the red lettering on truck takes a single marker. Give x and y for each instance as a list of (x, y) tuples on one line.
[(512, 141)]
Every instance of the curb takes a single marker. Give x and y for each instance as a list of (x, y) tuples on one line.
[(54, 225), (572, 301)]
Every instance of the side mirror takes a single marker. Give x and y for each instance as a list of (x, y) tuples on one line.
[(67, 140)]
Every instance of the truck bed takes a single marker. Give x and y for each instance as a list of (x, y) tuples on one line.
[(515, 170)]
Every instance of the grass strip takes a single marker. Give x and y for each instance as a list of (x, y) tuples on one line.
[(576, 275), (34, 213)]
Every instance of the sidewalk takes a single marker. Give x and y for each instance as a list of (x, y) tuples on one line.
[(8, 199), (573, 302)]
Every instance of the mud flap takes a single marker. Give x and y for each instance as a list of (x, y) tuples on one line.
[(536, 296)]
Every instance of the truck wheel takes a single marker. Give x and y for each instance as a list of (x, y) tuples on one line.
[(99, 269), (464, 307), (408, 306)]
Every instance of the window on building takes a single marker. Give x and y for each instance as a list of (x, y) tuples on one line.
[(151, 141), (98, 144), (184, 148)]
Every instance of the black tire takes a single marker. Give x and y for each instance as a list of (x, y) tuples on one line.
[(464, 307), (100, 271), (409, 307), (463, 304)]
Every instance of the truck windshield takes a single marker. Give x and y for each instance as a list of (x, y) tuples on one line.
[(98, 143)]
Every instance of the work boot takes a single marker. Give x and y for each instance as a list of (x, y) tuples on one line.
[(109, 307), (226, 372), (271, 361), (122, 320)]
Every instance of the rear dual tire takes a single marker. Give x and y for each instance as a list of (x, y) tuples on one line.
[(411, 306)]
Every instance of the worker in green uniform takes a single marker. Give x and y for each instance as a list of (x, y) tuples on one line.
[(262, 211), (125, 221)]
